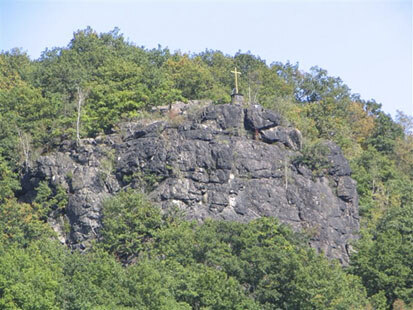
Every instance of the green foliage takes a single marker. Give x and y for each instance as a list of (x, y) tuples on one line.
[(20, 223), (384, 258), (314, 156), (225, 265), (30, 277), (91, 281), (8, 181), (191, 76), (267, 259), (183, 265), (129, 221), (48, 199), (385, 133), (147, 181)]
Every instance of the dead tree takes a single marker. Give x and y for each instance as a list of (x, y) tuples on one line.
[(25, 147), (81, 96)]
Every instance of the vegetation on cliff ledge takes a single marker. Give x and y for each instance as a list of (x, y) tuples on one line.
[(85, 89)]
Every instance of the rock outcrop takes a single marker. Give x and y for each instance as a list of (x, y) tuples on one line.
[(219, 161)]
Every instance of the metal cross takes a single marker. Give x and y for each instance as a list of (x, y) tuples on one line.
[(236, 79)]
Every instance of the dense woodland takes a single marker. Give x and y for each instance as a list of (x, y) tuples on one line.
[(104, 79)]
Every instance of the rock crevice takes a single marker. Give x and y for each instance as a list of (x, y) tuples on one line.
[(219, 161)]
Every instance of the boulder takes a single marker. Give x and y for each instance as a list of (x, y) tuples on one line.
[(257, 118), (290, 137)]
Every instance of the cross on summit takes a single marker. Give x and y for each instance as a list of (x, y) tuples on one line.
[(236, 97), (236, 79)]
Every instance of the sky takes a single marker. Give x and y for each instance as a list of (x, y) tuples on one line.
[(367, 43)]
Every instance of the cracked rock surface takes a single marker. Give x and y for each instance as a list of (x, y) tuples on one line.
[(219, 161)]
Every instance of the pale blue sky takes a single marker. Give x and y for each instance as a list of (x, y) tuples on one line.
[(367, 43)]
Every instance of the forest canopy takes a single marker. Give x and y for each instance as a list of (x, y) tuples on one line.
[(98, 80)]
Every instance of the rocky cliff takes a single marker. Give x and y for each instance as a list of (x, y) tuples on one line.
[(215, 161)]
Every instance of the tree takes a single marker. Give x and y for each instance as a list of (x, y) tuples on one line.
[(190, 76), (385, 134), (404, 145), (384, 258), (20, 224), (129, 221), (8, 181), (30, 277), (81, 96)]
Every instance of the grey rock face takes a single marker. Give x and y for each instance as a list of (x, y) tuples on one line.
[(221, 161), (257, 118), (87, 176), (290, 137)]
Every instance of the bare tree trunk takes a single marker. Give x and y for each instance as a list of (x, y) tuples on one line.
[(25, 146), (80, 100), (255, 97)]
